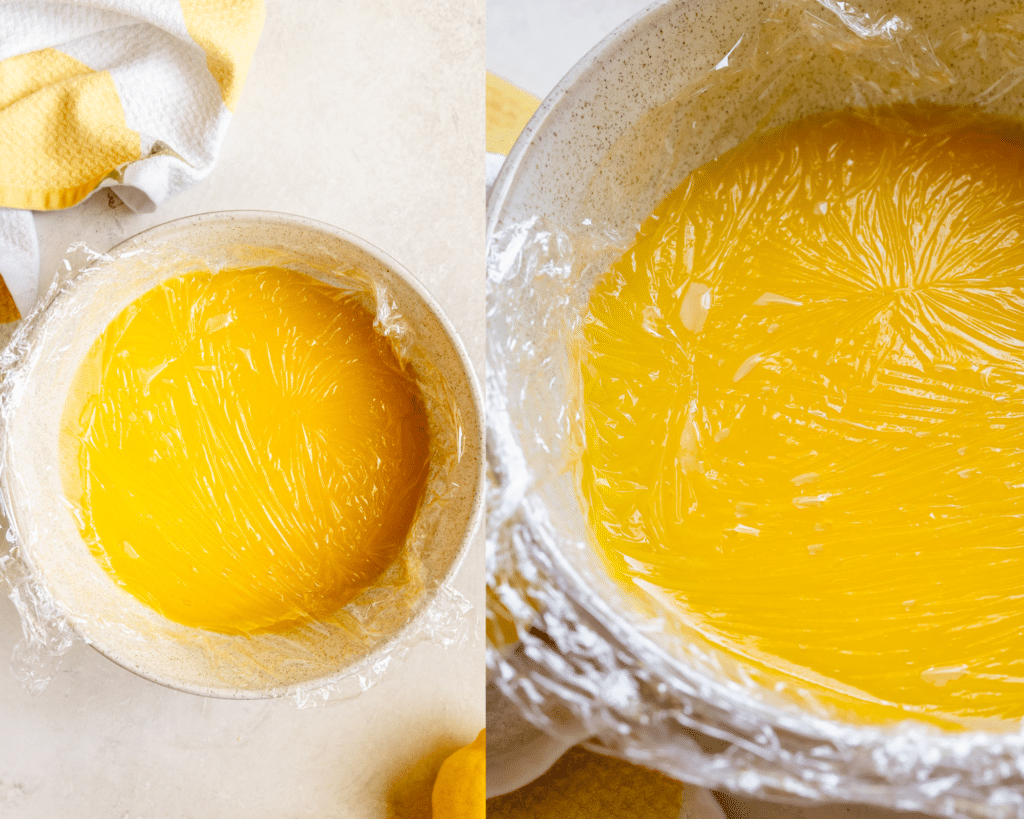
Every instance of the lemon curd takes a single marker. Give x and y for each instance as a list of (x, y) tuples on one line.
[(804, 406), (243, 450)]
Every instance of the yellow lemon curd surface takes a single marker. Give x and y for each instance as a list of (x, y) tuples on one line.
[(244, 450), (804, 406)]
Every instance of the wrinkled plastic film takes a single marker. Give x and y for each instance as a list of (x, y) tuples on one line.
[(567, 643), (307, 473), (821, 388)]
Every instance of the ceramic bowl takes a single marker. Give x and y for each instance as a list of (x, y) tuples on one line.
[(55, 340), (671, 701)]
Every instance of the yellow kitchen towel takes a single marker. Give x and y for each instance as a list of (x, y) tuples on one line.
[(585, 785), (509, 108), (135, 95)]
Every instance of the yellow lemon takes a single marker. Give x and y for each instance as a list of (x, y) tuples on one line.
[(461, 785)]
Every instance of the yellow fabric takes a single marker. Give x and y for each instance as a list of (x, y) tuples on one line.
[(227, 32), (8, 309), (28, 73), (585, 785), (461, 784), (62, 130), (508, 110), (62, 124)]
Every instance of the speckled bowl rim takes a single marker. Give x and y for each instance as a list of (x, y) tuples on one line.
[(590, 63)]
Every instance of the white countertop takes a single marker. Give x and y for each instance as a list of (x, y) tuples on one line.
[(368, 116)]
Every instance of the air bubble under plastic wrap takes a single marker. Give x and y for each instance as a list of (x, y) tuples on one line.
[(868, 394), (261, 447)]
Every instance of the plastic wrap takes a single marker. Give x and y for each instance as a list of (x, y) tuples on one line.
[(279, 478), (618, 660)]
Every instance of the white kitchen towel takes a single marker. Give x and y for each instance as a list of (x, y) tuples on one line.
[(135, 95)]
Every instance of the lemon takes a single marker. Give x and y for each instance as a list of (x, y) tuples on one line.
[(461, 785)]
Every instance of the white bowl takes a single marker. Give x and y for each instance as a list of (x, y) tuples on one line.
[(54, 342), (663, 696)]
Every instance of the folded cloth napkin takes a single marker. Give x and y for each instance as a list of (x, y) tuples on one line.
[(509, 108), (135, 95)]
